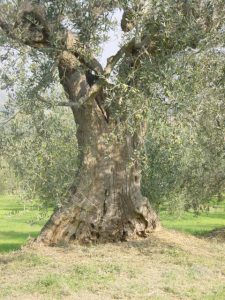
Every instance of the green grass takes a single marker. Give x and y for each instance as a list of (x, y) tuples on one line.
[(17, 223), (195, 224)]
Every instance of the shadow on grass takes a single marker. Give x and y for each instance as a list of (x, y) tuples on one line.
[(10, 247), (20, 237), (193, 230), (217, 234)]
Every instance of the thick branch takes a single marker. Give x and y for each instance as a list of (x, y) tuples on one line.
[(10, 33), (113, 60), (92, 93), (82, 56), (91, 64), (130, 48), (72, 46)]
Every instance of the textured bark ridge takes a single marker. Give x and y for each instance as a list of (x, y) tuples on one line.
[(103, 211), (107, 204)]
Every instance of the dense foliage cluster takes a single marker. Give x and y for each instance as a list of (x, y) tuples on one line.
[(185, 145), (41, 150)]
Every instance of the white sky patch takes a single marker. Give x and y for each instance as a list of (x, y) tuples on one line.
[(3, 97), (115, 37), (220, 50)]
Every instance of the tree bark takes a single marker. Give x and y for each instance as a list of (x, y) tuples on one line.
[(106, 204)]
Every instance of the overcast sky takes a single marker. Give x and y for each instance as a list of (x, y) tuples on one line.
[(109, 48)]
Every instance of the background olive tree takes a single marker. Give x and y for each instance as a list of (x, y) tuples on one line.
[(185, 144), (42, 152)]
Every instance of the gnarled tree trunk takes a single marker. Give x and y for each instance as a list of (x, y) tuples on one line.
[(107, 204)]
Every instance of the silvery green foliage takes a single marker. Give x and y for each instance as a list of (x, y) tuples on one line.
[(41, 149), (177, 80), (185, 144)]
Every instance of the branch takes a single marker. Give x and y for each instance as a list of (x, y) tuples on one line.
[(113, 60), (130, 48), (82, 53), (92, 63), (72, 46), (93, 91), (9, 31), (52, 104)]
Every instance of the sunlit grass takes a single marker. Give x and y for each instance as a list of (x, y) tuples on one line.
[(18, 222), (195, 224)]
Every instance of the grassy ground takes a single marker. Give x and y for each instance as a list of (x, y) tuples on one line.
[(17, 223), (196, 225), (168, 265)]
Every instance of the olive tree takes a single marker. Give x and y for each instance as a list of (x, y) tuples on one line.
[(109, 104), (185, 142)]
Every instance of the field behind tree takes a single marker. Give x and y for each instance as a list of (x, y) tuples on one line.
[(168, 265), (20, 221)]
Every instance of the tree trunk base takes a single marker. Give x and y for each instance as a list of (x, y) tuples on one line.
[(77, 223)]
